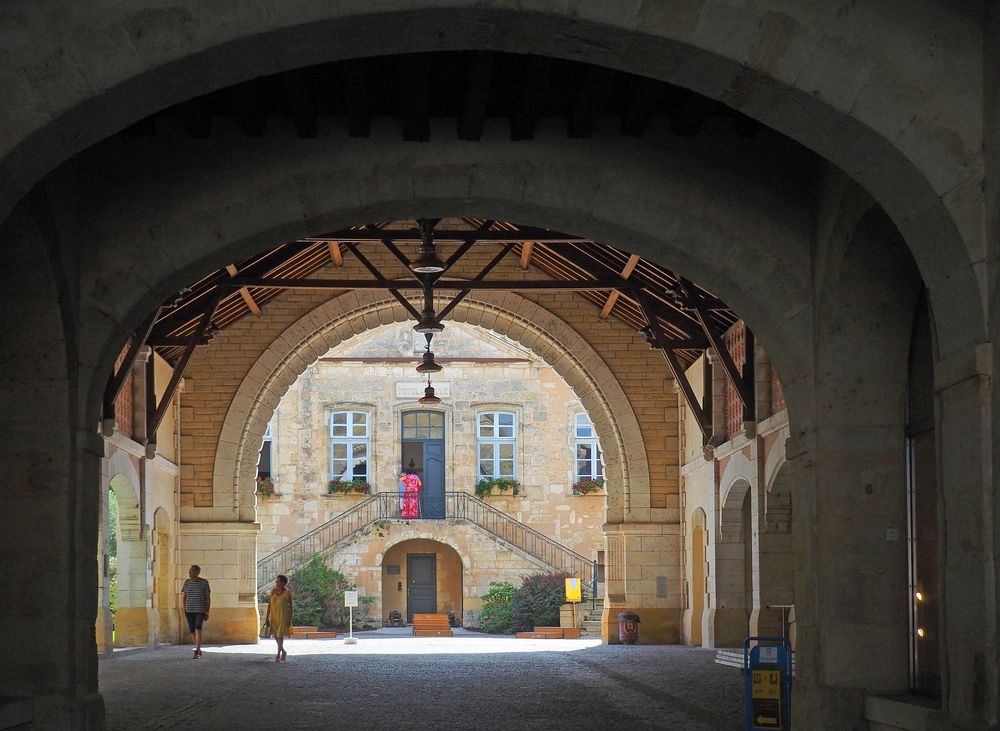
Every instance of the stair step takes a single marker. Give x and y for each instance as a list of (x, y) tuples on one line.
[(300, 630), (539, 635), (565, 633), (317, 635), (432, 633)]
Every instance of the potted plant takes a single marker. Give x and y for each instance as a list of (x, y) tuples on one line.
[(265, 486), (344, 487), (588, 485), (486, 486)]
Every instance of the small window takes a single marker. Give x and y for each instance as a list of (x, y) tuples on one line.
[(497, 443), (587, 456), (423, 425), (349, 445), (264, 458)]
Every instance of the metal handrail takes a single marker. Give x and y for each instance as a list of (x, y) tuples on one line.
[(461, 505)]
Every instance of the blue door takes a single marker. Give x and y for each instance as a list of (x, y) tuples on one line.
[(421, 584), (423, 454), (433, 492)]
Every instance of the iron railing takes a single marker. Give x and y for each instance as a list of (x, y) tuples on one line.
[(460, 505)]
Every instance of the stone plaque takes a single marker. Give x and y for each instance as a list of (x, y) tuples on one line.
[(414, 390), (392, 569)]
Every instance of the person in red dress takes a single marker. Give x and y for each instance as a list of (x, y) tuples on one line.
[(411, 495)]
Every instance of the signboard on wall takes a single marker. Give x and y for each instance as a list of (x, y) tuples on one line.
[(415, 389)]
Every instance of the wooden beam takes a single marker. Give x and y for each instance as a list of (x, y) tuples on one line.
[(445, 284), (749, 363), (715, 340), (477, 89), (674, 366), (534, 86), (646, 94), (356, 101), (244, 292), (478, 278), (300, 103), (595, 89), (249, 110), (335, 253), (414, 97), (378, 275), (526, 250), (248, 299), (410, 236), (154, 417), (613, 297), (117, 380)]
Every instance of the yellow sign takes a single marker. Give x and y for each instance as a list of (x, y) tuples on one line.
[(765, 698), (573, 590)]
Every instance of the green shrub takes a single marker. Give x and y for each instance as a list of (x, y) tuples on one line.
[(496, 614), (537, 602), (318, 595)]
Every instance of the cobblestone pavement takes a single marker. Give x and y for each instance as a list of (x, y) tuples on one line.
[(391, 680)]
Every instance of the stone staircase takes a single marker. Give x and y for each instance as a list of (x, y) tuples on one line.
[(458, 505), (590, 621), (551, 633), (431, 625)]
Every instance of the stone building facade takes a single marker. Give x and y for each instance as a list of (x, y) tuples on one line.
[(372, 378)]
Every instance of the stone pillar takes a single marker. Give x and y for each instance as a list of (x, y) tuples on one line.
[(227, 554), (718, 400), (762, 383), (643, 575)]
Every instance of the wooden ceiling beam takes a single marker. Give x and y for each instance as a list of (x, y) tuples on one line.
[(483, 236), (335, 254), (405, 284), (613, 297), (534, 87), (244, 292), (300, 103), (477, 91), (356, 101), (478, 278), (526, 248), (118, 378), (595, 90), (414, 97)]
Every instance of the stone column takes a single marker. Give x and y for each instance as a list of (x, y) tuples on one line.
[(643, 575), (227, 554)]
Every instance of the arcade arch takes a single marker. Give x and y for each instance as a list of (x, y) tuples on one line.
[(915, 206)]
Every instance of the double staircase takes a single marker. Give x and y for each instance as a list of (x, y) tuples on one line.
[(458, 505)]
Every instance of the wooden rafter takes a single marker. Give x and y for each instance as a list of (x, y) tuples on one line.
[(117, 380), (478, 278), (715, 340), (244, 292), (335, 254), (613, 297), (378, 275), (674, 366), (409, 284), (526, 250)]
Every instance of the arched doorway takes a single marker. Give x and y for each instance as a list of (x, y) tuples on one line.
[(696, 584), (421, 575)]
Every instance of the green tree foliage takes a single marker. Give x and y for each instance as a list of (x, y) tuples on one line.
[(113, 548), (496, 615), (537, 602), (318, 595)]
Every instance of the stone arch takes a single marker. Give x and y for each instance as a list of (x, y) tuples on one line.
[(506, 313), (131, 619), (734, 565), (912, 155), (451, 586), (699, 576)]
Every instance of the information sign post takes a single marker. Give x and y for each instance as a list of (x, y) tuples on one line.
[(767, 684), (573, 595), (350, 601)]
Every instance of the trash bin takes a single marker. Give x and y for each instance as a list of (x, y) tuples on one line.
[(628, 628)]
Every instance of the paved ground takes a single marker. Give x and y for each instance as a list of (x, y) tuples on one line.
[(391, 680)]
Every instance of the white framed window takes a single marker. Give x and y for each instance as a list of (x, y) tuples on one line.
[(264, 457), (496, 443), (587, 458), (349, 445)]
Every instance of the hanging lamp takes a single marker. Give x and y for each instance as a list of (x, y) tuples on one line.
[(428, 365), (427, 261), (429, 397)]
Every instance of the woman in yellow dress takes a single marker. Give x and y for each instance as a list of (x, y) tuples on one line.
[(279, 614)]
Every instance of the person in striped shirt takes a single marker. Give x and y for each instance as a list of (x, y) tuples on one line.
[(197, 601)]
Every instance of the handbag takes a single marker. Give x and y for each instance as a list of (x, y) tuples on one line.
[(265, 631)]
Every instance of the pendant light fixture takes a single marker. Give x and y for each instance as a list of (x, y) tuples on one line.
[(428, 365), (427, 261), (428, 322), (429, 398)]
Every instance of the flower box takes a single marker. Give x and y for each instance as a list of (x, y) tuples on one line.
[(348, 487), (497, 486), (588, 486), (265, 486)]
